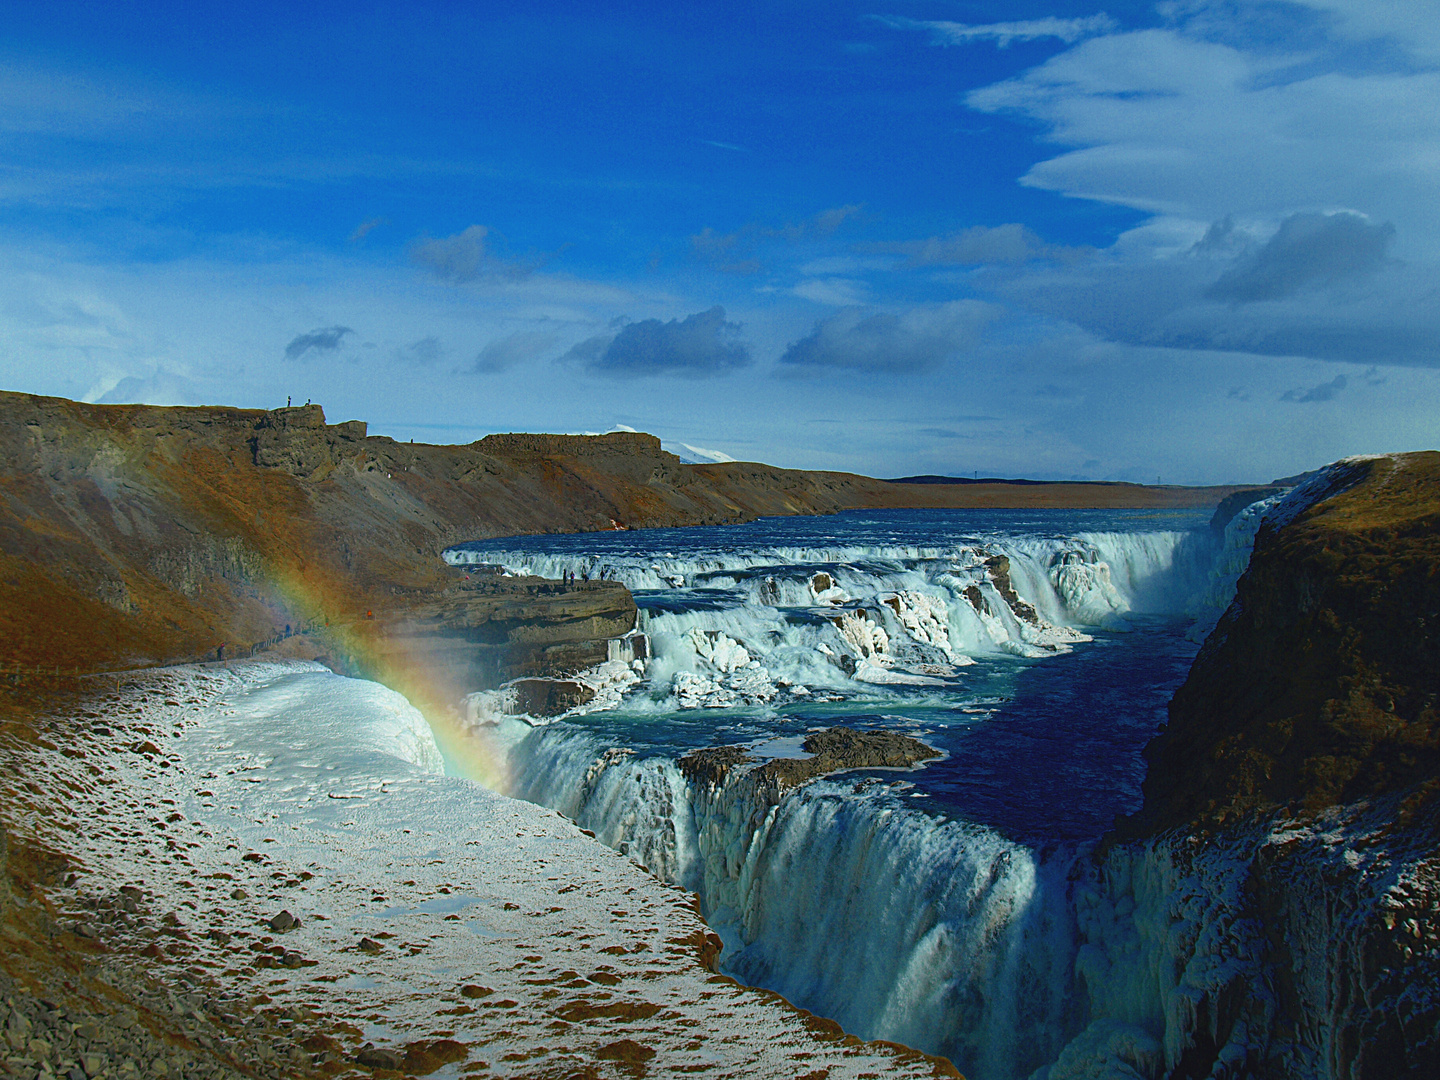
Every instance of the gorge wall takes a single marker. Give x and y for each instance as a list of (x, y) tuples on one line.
[(1274, 908)]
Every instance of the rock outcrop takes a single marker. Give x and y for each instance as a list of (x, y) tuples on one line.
[(1321, 685), (836, 749), (480, 633)]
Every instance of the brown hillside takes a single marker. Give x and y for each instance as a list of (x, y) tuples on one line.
[(139, 534)]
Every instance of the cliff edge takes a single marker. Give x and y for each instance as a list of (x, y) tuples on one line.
[(1273, 910), (1320, 686)]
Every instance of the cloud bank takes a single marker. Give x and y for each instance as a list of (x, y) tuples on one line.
[(1307, 250), (890, 342), (698, 345)]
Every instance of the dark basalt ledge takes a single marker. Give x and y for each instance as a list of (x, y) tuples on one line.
[(487, 632), (836, 749), (1320, 687)]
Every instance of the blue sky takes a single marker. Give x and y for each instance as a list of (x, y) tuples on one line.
[(1191, 240)]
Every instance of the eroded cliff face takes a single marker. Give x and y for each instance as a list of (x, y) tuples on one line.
[(133, 535), (1274, 908)]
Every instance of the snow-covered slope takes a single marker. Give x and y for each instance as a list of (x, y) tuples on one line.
[(229, 793)]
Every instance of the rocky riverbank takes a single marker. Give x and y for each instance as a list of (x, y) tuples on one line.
[(256, 869)]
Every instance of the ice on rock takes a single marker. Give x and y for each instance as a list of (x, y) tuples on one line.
[(870, 671), (926, 619), (722, 653), (867, 638), (725, 675), (610, 681), (1086, 589)]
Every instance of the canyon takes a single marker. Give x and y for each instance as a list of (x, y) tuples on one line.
[(1273, 909)]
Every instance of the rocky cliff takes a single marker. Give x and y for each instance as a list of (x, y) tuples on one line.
[(1321, 684), (1274, 908)]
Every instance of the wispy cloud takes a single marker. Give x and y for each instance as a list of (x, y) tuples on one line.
[(838, 292), (1323, 392), (325, 339), (735, 248), (953, 33), (365, 228), (464, 257), (976, 246), (425, 351), (512, 350)]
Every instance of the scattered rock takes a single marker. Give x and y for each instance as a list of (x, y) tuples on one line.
[(835, 749), (615, 1010), (470, 990), (423, 1058), (378, 1058), (283, 922), (626, 1050), (370, 945)]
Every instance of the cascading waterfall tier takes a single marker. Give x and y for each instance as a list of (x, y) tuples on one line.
[(934, 906)]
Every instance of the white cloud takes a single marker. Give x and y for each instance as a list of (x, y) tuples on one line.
[(977, 245), (698, 346), (1176, 125), (511, 350), (1317, 286), (1412, 24), (1292, 190), (836, 292), (464, 257), (164, 387), (61, 102), (953, 33), (888, 341)]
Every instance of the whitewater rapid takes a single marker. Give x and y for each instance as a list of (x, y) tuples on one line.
[(886, 902)]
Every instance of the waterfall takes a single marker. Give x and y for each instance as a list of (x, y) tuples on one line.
[(860, 898)]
